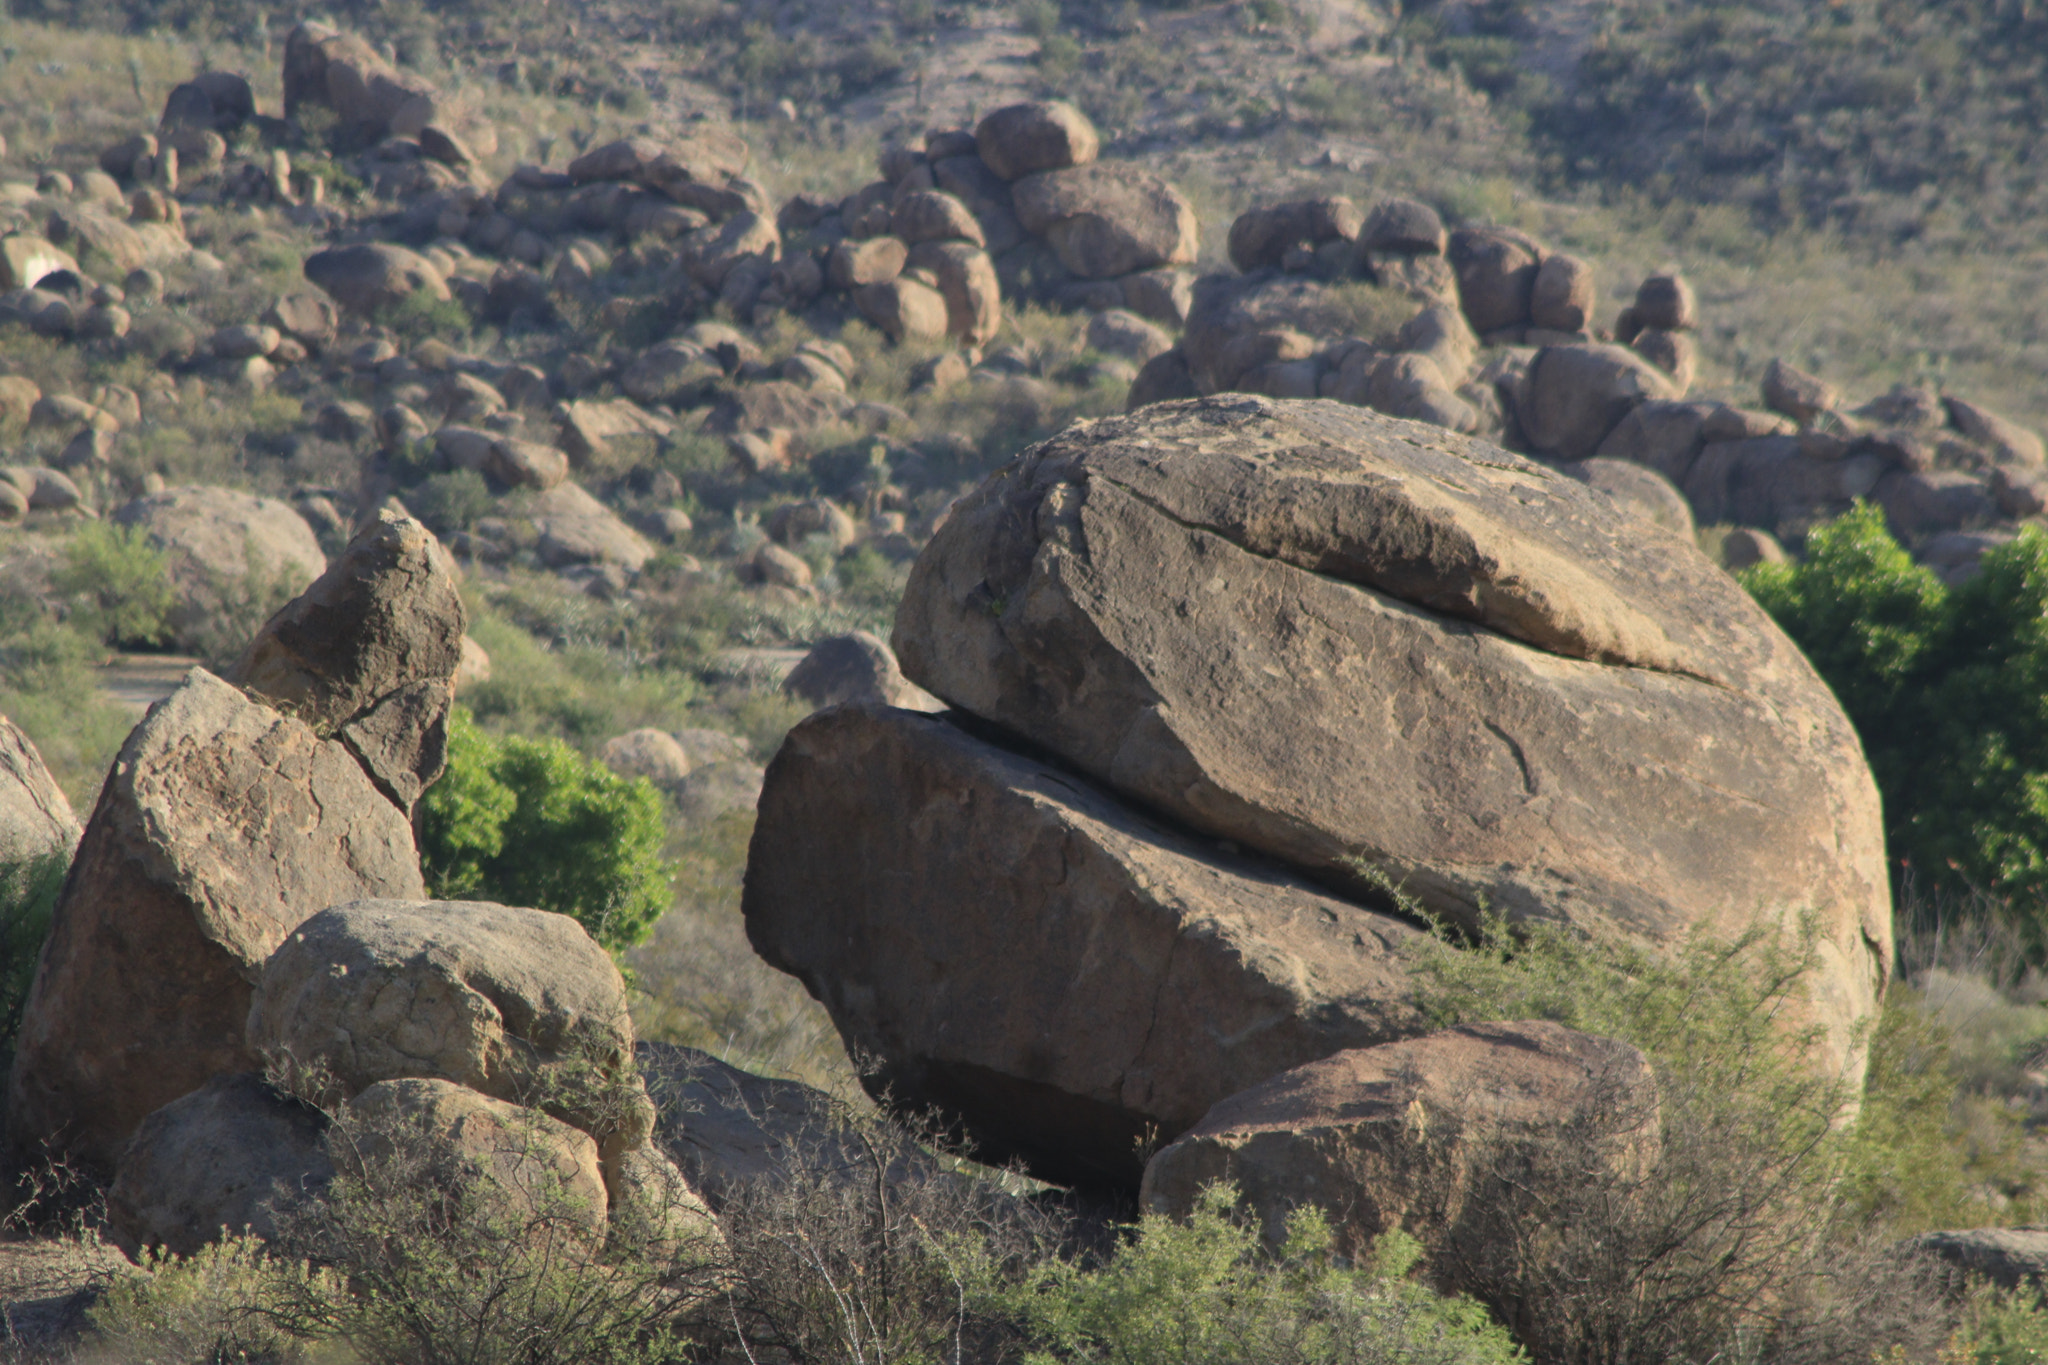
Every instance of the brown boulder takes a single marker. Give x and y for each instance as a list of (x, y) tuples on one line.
[(1534, 705), (853, 265), (371, 276), (222, 547), (1261, 237), (1445, 1136), (1019, 139), (368, 653), (339, 71), (222, 826), (1110, 977), (2008, 441), (1405, 227), (1496, 276), (1664, 436), (1640, 490), (35, 818), (227, 1158), (575, 528), (1565, 295), (904, 308), (1666, 302), (521, 1005), (1797, 394), (1105, 221), (967, 279), (855, 668), (1577, 395), (420, 1132), (934, 216)]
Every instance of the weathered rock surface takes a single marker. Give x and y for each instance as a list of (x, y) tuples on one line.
[(369, 653), (855, 667), (229, 1157), (1577, 395), (1019, 139), (518, 1004), (215, 541), (222, 826), (35, 817), (373, 275), (1337, 638), (528, 1163), (575, 528), (1105, 221), (727, 1129), (1111, 977), (1449, 1135), (1642, 491)]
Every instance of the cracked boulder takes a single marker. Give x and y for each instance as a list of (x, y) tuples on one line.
[(1024, 951), (521, 1005), (1375, 651), (368, 653), (223, 825)]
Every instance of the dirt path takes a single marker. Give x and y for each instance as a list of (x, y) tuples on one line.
[(138, 681)]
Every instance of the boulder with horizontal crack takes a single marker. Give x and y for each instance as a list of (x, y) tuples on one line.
[(1377, 651), (1020, 948)]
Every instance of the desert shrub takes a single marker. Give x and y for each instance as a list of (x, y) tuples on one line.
[(451, 501), (866, 1251), (532, 822), (1760, 1219), (1948, 688), (215, 1305), (117, 584), (1206, 1290)]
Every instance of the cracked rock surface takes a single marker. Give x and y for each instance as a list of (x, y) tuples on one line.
[(1368, 650), (1024, 950)]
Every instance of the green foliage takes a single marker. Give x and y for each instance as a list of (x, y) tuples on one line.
[(48, 687), (28, 895), (531, 822), (1948, 688), (1758, 1217), (1039, 19), (211, 1306), (1205, 1290), (117, 584), (2001, 1328), (451, 501), (423, 313)]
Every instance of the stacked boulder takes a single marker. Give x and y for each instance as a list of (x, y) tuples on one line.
[(370, 99), (237, 808), (36, 820), (1027, 211), (413, 1039), (1221, 672), (292, 1008)]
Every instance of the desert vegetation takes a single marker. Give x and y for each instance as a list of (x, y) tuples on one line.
[(702, 345)]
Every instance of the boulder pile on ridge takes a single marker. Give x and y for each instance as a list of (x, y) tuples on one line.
[(1200, 653)]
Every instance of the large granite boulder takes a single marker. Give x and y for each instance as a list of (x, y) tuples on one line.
[(222, 548), (855, 667), (1104, 221), (518, 1004), (231, 1157), (222, 826), (1381, 652), (1028, 953), (1051, 135), (368, 653), (35, 817), (1451, 1136), (370, 97)]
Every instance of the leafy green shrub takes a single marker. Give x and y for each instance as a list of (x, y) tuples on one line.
[(451, 501), (1948, 688), (48, 687), (117, 584), (215, 1305), (532, 822), (1205, 1290)]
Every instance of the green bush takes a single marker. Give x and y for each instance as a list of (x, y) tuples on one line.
[(532, 822), (1948, 688), (117, 584), (1205, 1290)]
